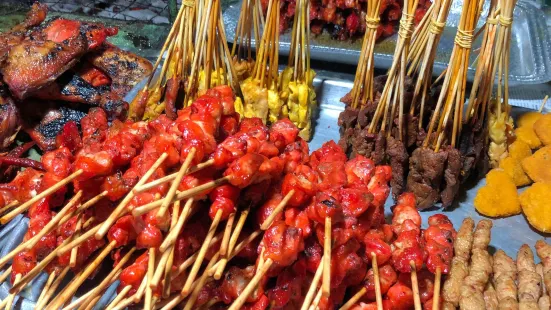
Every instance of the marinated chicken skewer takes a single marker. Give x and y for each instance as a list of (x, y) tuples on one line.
[(544, 253), (504, 278), (529, 281)]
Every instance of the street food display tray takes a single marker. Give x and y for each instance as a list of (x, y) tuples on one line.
[(530, 55)]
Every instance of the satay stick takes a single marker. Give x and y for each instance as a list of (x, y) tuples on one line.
[(185, 194), (11, 296), (112, 276), (201, 283), (9, 206), (119, 297), (316, 301), (46, 287), (52, 289), (172, 191), (221, 265), (170, 259), (173, 234), (127, 301), (77, 241), (74, 251), (54, 222), (240, 301), (227, 234), (104, 227), (141, 290), (74, 285), (436, 296), (5, 275), (164, 266), (83, 207), (363, 290), (202, 252), (190, 260), (170, 177), (326, 284), (313, 286), (543, 103), (150, 271), (90, 299), (278, 209), (22, 208), (415, 286)]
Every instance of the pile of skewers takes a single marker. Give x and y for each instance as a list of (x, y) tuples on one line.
[(436, 146)]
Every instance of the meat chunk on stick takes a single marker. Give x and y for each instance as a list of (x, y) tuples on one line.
[(460, 264), (529, 281), (505, 275), (481, 267), (543, 302), (490, 297), (544, 253)]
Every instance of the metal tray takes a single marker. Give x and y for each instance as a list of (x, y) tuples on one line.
[(508, 234), (530, 58)]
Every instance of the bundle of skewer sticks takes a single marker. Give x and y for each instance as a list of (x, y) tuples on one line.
[(363, 91), (249, 25)]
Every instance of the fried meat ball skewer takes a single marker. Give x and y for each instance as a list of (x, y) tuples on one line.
[(460, 264), (481, 268), (529, 281), (505, 275), (543, 303)]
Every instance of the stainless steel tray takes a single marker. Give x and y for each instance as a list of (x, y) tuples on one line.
[(530, 59), (508, 234)]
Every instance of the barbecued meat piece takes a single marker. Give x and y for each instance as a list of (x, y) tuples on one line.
[(48, 52), (472, 145), (451, 176), (124, 68), (9, 122), (45, 120), (399, 157), (73, 88), (14, 36), (426, 171)]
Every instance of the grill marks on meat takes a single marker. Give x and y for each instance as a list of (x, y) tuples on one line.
[(9, 122), (399, 159), (426, 171), (73, 88), (452, 173), (124, 68), (44, 124), (472, 146)]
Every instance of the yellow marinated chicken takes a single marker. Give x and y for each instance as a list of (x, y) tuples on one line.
[(499, 130), (255, 99), (299, 101), (243, 68), (154, 106)]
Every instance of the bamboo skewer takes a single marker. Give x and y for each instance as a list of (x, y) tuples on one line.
[(11, 296), (150, 271), (543, 103), (173, 234), (240, 301), (52, 289), (9, 206), (278, 209), (437, 284), (5, 275), (316, 301), (363, 290), (415, 287), (170, 177), (233, 240), (313, 286), (46, 287), (165, 263), (326, 282)]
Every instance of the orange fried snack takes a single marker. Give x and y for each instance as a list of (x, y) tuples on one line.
[(513, 168), (538, 166), (535, 202), (527, 135), (498, 197), (519, 150), (528, 119), (542, 128)]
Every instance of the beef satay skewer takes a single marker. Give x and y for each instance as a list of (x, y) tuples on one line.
[(313, 286), (104, 227), (172, 191), (23, 207)]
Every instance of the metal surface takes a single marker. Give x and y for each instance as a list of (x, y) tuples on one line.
[(530, 61)]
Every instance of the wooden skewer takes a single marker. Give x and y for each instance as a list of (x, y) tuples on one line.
[(240, 301), (11, 296), (165, 266), (77, 241), (52, 289), (104, 227), (278, 209), (233, 240), (354, 299), (22, 208), (127, 301), (377, 280), (543, 103), (119, 297), (313, 286), (172, 191), (227, 234), (170, 177), (90, 299), (326, 284), (74, 251), (82, 208), (316, 301), (173, 234), (9, 206), (201, 283), (74, 285), (190, 260), (436, 296), (184, 194), (202, 252), (5, 275), (46, 287), (150, 270), (415, 286), (141, 290)]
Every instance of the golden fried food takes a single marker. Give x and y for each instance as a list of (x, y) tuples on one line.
[(535, 205), (527, 135), (519, 150), (255, 99), (498, 125), (514, 169), (542, 128), (538, 166), (528, 119), (498, 197)]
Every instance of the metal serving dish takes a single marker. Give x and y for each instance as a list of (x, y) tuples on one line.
[(508, 233), (530, 58)]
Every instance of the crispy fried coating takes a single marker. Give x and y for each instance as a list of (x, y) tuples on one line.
[(505, 274), (529, 281), (528, 119), (514, 169), (527, 135), (519, 150), (544, 253), (464, 240), (490, 297), (542, 128), (498, 197), (535, 202), (538, 166)]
